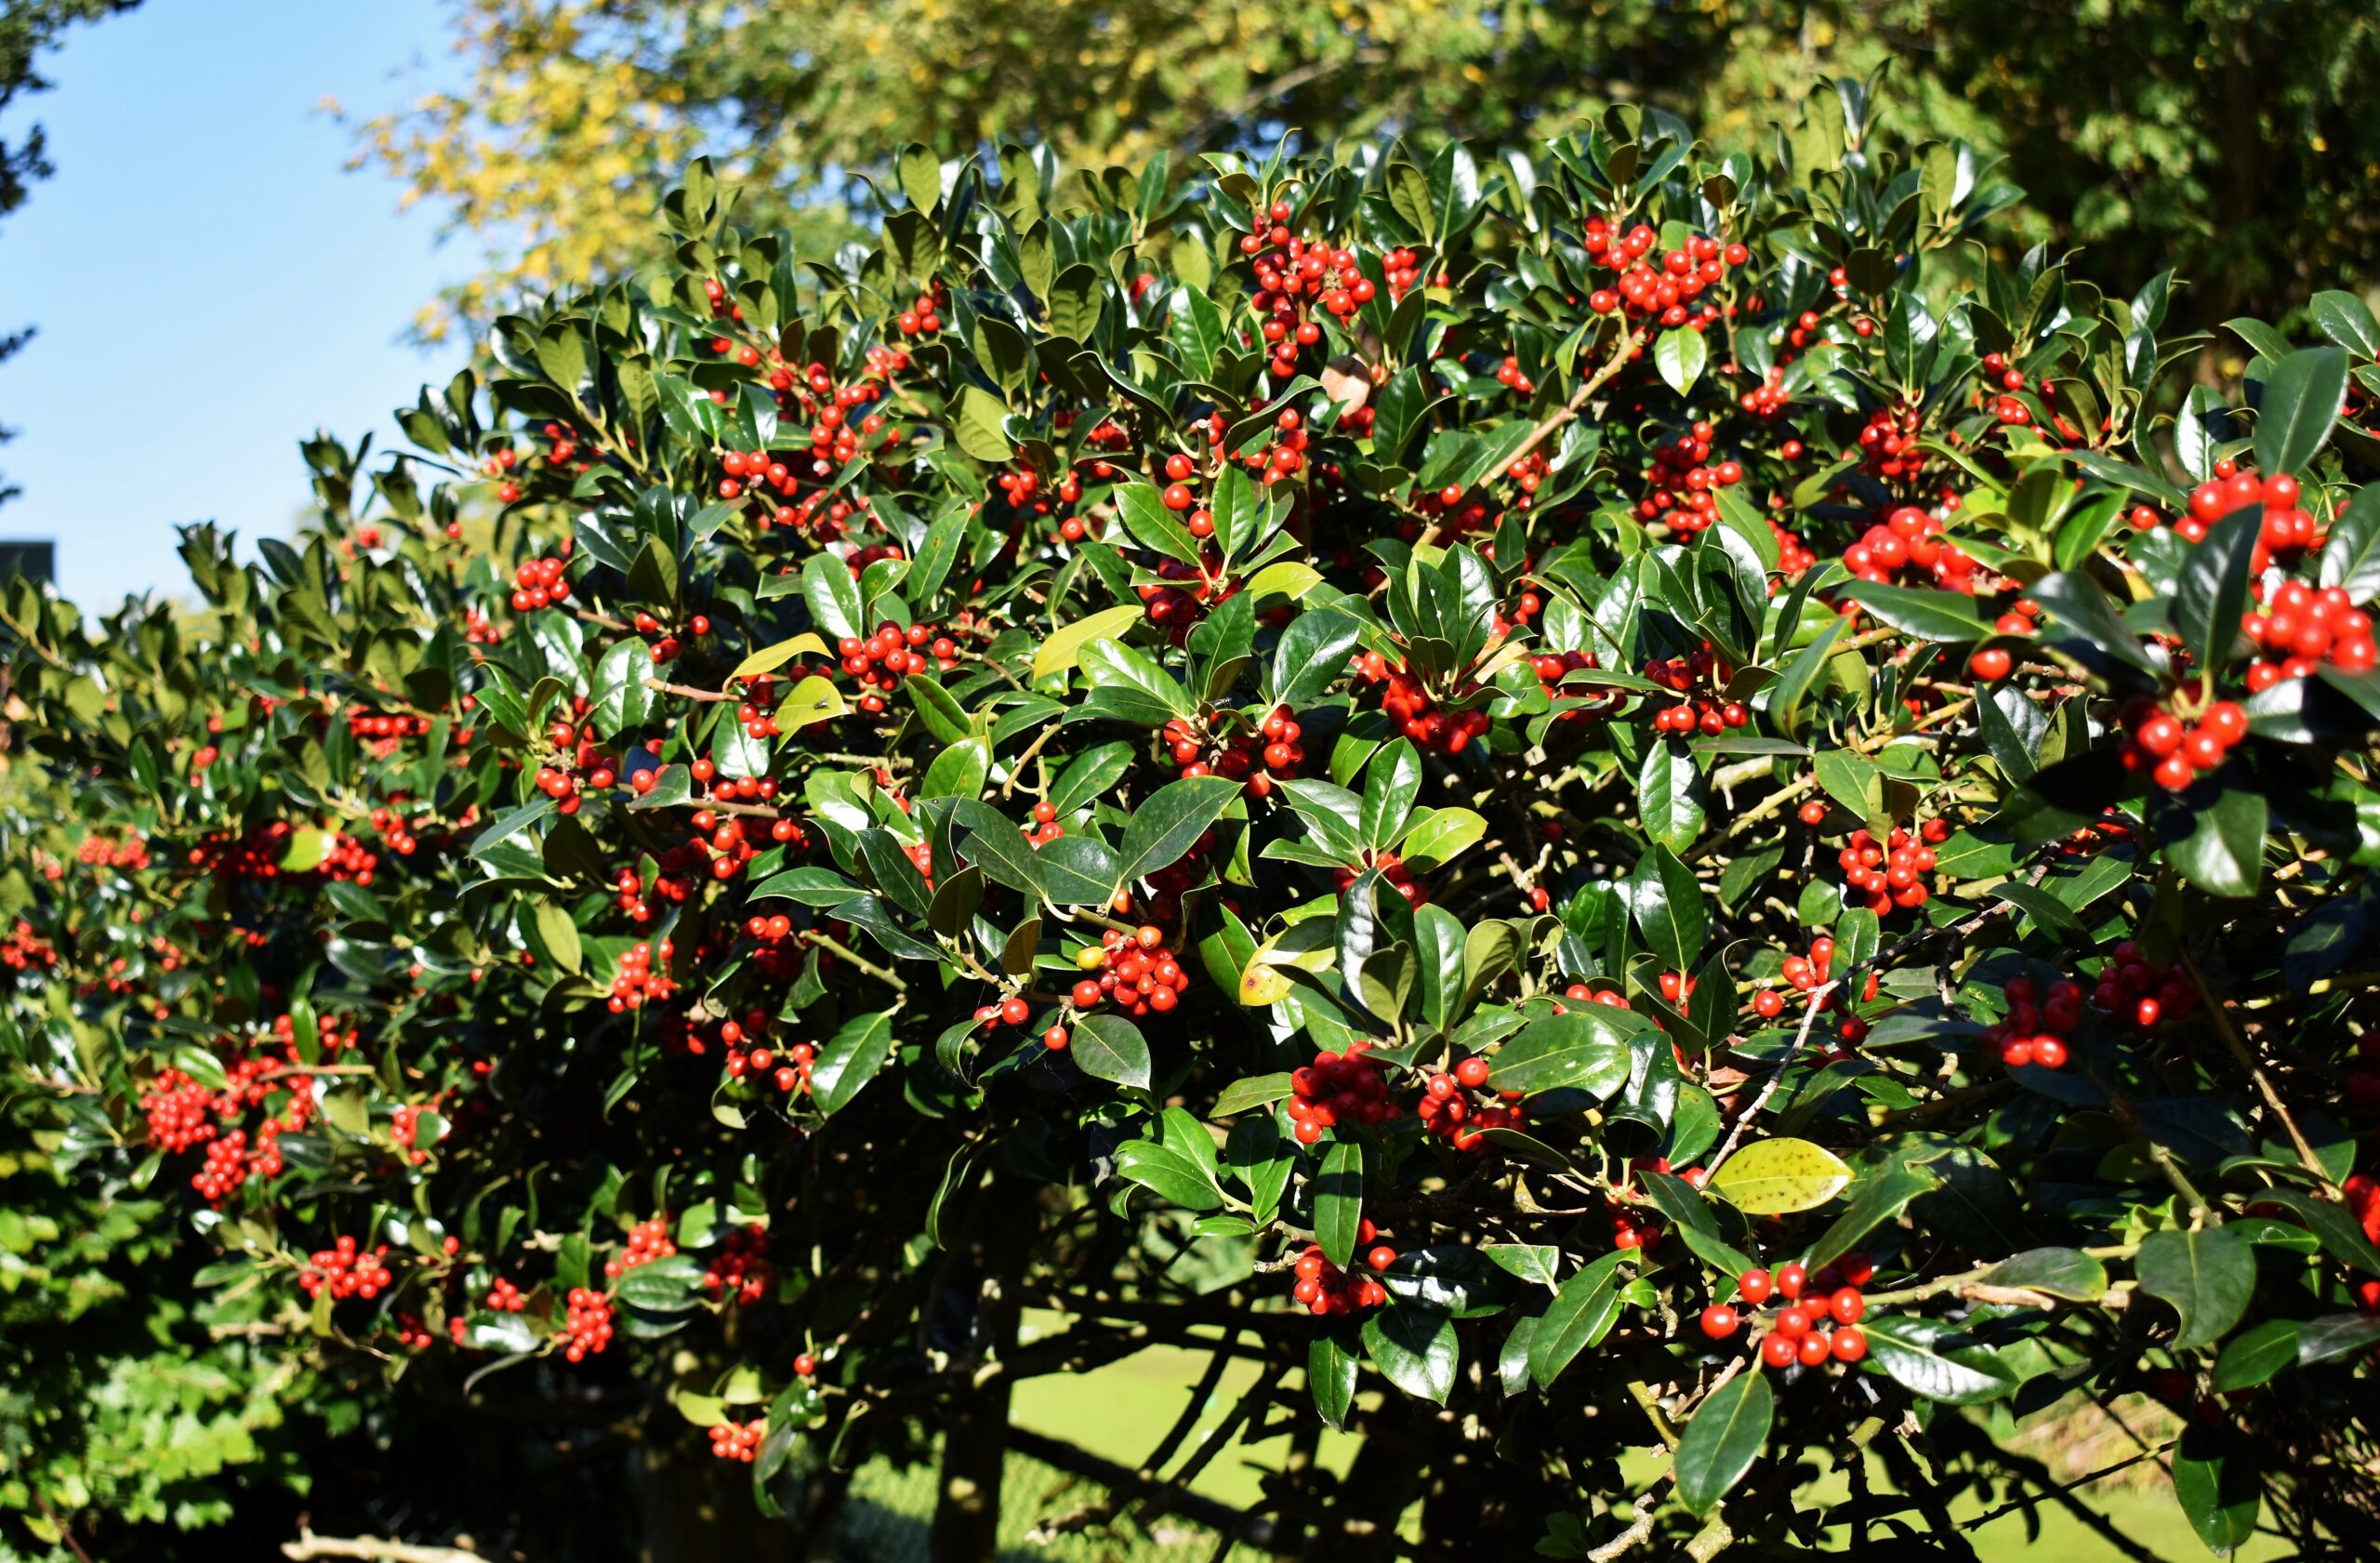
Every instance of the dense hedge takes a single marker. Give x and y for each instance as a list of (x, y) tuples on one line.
[(1652, 800)]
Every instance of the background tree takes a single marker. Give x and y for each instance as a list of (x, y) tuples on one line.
[(2221, 138), (27, 27)]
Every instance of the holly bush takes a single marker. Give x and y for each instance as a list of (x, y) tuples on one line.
[(1612, 801)]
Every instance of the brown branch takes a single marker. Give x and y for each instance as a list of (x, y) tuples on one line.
[(308, 1544), (2238, 1046)]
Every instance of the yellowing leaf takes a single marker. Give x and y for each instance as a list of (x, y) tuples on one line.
[(769, 659), (1059, 652), (1288, 578), (1777, 1177), (308, 847), (1259, 986), (813, 699)]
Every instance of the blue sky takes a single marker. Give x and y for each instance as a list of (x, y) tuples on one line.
[(209, 283)]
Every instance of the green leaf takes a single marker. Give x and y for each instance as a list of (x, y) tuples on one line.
[(2076, 602), (2215, 1481), (1141, 508), (1332, 1367), (2253, 1356), (977, 427), (2351, 555), (1930, 1358), (2212, 591), (1928, 615), (2346, 320), (1108, 1047), (1668, 902), (1438, 937), (1171, 821), (2334, 1335), (2050, 914), (1852, 780), (959, 771), (1391, 783), (2222, 850), (1582, 1312), (2208, 1275), (849, 1060), (1256, 1091), (669, 1285), (833, 596), (623, 700), (1536, 1263), (1585, 1048), (2301, 402), (1724, 1439), (1313, 653), (2068, 1273), (1669, 795), (1679, 354), (1877, 1196), (559, 933), (1800, 671), (1437, 836), (2340, 1232), (1339, 1201), (1414, 1348)]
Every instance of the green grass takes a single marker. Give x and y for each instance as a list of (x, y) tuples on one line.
[(1120, 1412)]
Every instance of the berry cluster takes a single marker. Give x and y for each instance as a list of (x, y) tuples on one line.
[(345, 1270), (748, 1054), (638, 978), (1891, 874), (2287, 527), (2301, 628), (881, 660), (1392, 871), (1911, 539), (1268, 753), (384, 730), (1417, 711), (738, 1440), (578, 766), (404, 1127), (1551, 667), (1683, 480), (2177, 753), (1449, 1110), (2138, 992), (1703, 711), (539, 583), (25, 950), (1338, 1088), (1661, 294), (589, 1323), (648, 1240), (2037, 1026), (1809, 1331), (1323, 1289), (1181, 595), (1137, 972), (396, 832), (740, 1271), (505, 1298), (179, 1110), (1888, 443), (922, 318)]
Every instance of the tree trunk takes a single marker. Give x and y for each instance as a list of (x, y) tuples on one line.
[(976, 1322)]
